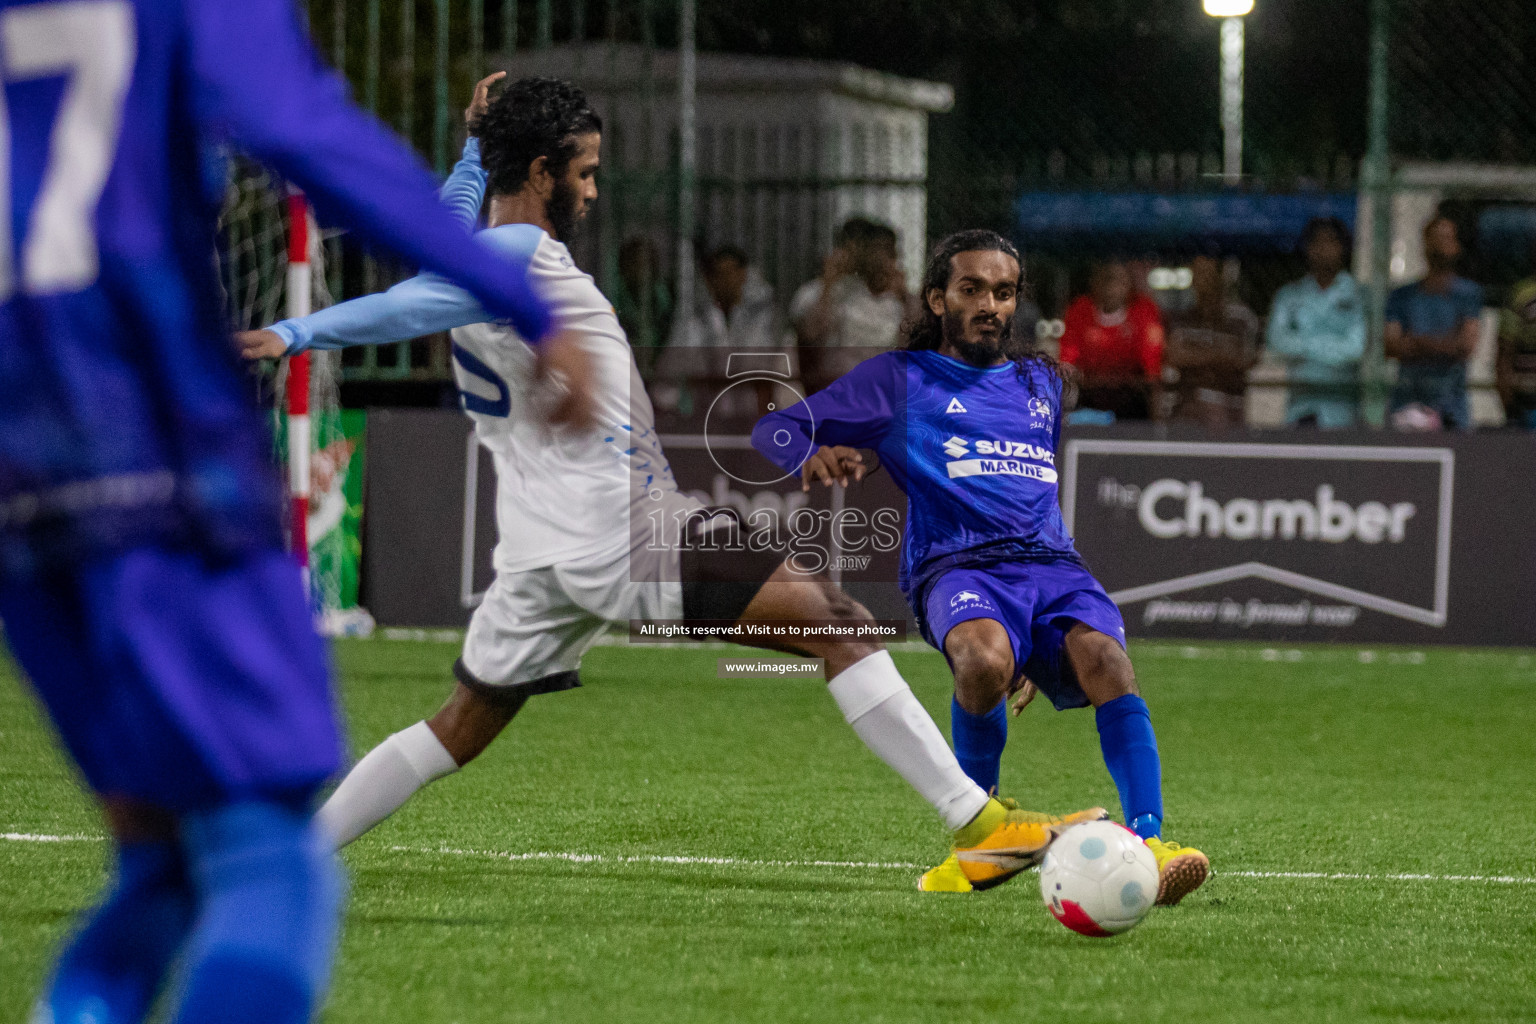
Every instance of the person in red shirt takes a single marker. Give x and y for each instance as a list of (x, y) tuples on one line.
[(1116, 343)]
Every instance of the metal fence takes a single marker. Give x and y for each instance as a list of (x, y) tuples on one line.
[(1452, 130), (761, 153), (414, 63), (1414, 105)]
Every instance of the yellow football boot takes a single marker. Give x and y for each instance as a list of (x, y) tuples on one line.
[(947, 877), (999, 843), (1180, 870)]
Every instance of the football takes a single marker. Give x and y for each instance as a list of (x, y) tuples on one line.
[(1099, 879)]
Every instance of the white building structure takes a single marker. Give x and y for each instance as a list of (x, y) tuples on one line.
[(787, 150)]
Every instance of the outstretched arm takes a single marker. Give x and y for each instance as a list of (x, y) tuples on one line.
[(421, 305), (816, 437), (464, 191), (258, 82)]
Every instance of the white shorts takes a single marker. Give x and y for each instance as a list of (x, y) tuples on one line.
[(530, 632)]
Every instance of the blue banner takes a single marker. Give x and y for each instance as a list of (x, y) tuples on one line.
[(1232, 220)]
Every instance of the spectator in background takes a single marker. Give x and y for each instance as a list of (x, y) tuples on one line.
[(1432, 328), (1212, 345), (1116, 345), (735, 307), (1140, 269), (642, 301), (734, 312), (1517, 354), (1317, 328), (855, 308)]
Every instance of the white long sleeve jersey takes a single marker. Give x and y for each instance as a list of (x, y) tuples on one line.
[(561, 495)]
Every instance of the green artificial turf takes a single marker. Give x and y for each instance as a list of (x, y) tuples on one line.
[(1319, 760)]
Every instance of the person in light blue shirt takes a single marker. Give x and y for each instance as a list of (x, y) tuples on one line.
[(1317, 327), (1432, 329)]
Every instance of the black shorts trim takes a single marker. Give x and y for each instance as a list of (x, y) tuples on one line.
[(514, 694), (720, 582)]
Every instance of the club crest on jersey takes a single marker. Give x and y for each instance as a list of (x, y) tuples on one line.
[(955, 406), (1039, 412)]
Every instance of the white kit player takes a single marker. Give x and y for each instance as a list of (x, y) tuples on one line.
[(572, 556)]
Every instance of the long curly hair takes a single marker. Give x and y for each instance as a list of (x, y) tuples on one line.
[(926, 333), (532, 117)]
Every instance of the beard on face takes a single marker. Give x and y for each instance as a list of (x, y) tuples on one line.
[(564, 210), (1438, 261), (978, 353)]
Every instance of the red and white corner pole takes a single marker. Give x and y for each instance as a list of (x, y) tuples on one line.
[(298, 378)]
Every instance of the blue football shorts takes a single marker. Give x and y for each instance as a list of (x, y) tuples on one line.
[(178, 682), (1036, 602)]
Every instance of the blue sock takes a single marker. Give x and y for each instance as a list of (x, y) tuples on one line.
[(1130, 753), (269, 899), (113, 967), (979, 741)]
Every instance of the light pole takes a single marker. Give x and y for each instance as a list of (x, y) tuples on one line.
[(1231, 13)]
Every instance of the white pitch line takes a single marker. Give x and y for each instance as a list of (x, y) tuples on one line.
[(603, 858), (572, 857), (1346, 876), (659, 858)]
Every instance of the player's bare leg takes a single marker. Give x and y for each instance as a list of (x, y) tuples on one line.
[(996, 843), (1104, 672), (981, 657), (789, 596), (468, 721), (391, 773), (1102, 667), (871, 693), (131, 821)]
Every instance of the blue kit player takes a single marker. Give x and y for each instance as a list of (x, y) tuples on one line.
[(144, 589), (569, 561), (968, 421)]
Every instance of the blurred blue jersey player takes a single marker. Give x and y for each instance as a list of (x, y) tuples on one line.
[(143, 586), (968, 421)]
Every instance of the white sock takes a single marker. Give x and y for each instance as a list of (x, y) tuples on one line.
[(882, 709), (386, 777)]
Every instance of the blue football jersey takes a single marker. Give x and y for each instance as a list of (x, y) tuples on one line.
[(125, 415), (973, 449)]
